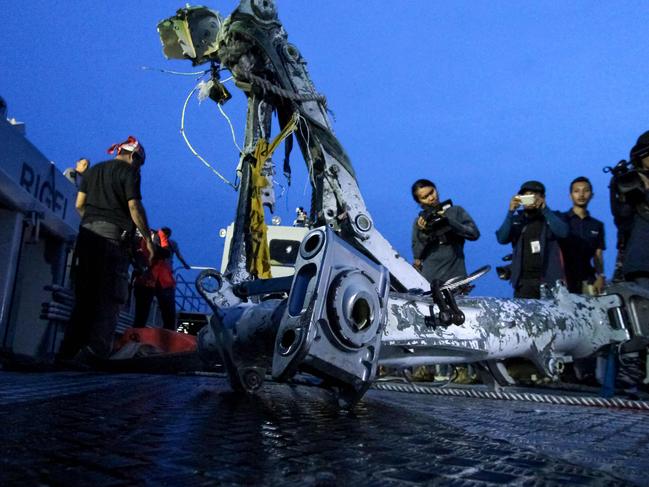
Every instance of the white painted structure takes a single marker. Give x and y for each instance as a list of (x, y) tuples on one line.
[(38, 225)]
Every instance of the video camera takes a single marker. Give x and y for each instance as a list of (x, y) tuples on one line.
[(626, 179), (436, 224), (620, 168)]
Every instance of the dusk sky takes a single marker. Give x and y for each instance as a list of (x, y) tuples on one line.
[(478, 96)]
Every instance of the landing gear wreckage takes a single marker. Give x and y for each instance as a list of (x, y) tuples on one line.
[(353, 303)]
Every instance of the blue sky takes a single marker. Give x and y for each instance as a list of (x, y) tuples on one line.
[(477, 96)]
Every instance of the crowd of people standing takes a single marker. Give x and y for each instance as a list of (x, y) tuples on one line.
[(547, 245)]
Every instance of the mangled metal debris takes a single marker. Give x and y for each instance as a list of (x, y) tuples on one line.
[(354, 302)]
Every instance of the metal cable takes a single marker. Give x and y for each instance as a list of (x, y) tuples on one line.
[(179, 73), (234, 137), (517, 396), (191, 148)]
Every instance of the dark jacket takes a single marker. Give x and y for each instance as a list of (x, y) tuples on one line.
[(632, 221), (444, 260), (555, 228)]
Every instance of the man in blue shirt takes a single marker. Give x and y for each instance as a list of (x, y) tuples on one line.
[(533, 232), (583, 248)]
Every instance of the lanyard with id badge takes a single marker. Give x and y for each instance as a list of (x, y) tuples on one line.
[(535, 246)]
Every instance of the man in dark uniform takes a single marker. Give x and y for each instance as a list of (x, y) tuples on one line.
[(109, 202), (533, 234), (583, 249), (630, 208)]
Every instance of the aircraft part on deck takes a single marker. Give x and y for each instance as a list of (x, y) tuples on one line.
[(321, 327)]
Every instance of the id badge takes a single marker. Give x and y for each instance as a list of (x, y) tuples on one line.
[(535, 246)]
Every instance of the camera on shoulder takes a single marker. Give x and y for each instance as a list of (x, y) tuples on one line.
[(626, 181)]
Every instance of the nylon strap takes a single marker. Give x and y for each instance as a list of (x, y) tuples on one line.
[(259, 261)]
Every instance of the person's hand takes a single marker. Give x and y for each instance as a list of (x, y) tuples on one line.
[(421, 223), (150, 249), (417, 264), (539, 202), (514, 203), (599, 284), (644, 179)]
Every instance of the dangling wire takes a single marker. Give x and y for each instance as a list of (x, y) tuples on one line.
[(304, 123), (180, 73), (200, 75), (191, 148), (203, 93), (283, 188), (234, 137)]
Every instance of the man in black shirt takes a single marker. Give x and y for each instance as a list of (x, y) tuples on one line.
[(533, 234), (583, 248), (109, 202)]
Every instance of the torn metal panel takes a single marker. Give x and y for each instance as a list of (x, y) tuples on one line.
[(190, 34)]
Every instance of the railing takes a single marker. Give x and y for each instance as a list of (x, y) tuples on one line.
[(187, 298)]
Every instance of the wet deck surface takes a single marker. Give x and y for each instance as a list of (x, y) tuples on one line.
[(136, 429)]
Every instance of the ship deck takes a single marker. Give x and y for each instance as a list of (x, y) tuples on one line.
[(83, 428)]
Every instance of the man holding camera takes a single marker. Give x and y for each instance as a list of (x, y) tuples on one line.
[(630, 208), (439, 233), (533, 232), (109, 202)]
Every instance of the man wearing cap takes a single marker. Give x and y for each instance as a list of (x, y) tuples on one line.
[(533, 232), (630, 208), (109, 202)]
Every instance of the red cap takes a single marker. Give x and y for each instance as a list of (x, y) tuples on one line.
[(131, 144)]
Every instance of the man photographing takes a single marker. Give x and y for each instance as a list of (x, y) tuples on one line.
[(109, 202), (533, 232), (630, 208), (439, 233)]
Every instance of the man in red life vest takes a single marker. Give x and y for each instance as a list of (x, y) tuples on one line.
[(158, 281)]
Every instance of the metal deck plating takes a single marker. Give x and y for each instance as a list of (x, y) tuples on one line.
[(136, 429)]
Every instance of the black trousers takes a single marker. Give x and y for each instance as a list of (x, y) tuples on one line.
[(166, 301), (100, 276), (528, 289)]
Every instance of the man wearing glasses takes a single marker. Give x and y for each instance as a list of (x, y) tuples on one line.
[(110, 204)]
